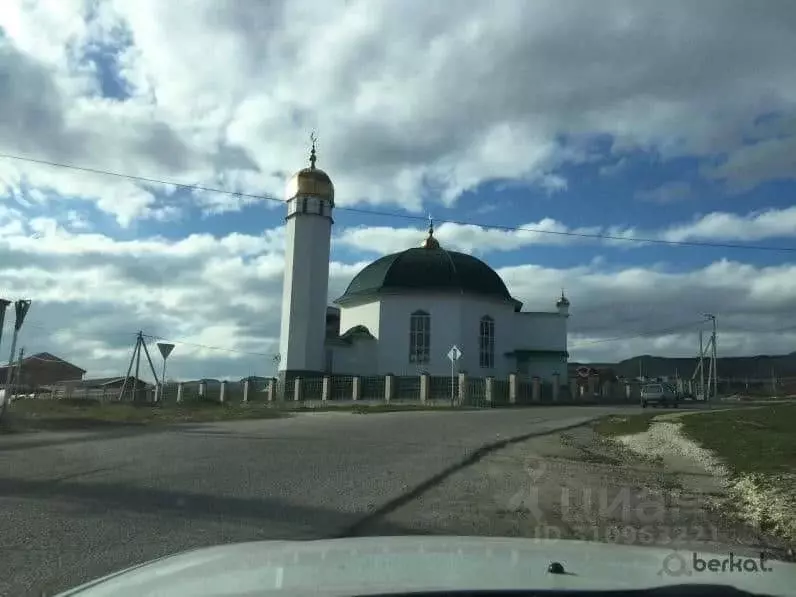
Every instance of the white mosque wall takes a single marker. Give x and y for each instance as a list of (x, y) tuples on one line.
[(394, 346), (368, 315), (473, 310), (359, 358), (540, 331), (544, 367), (454, 321)]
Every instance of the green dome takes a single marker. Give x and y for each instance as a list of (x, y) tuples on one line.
[(431, 269)]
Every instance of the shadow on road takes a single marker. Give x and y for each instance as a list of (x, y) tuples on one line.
[(71, 432), (99, 498)]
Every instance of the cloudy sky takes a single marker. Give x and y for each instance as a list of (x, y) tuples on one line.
[(144, 148)]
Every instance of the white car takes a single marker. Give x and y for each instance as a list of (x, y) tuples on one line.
[(656, 394)]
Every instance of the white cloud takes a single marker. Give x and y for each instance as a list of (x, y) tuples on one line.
[(723, 226), (467, 238), (405, 95), (470, 238), (219, 298), (414, 104)]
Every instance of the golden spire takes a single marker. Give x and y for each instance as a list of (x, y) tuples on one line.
[(313, 156), (311, 181), (430, 242)]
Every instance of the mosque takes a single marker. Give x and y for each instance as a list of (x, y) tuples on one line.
[(405, 312)]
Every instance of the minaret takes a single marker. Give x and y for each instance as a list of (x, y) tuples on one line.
[(563, 305), (308, 234)]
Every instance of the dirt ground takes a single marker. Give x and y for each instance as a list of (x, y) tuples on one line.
[(578, 485)]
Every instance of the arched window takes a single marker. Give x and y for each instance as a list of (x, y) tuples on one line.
[(487, 342), (419, 337)]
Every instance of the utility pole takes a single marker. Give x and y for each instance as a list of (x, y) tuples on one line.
[(17, 372), (140, 344), (715, 360), (21, 310), (701, 367), (3, 306), (714, 374)]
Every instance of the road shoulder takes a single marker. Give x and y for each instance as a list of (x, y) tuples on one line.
[(578, 485)]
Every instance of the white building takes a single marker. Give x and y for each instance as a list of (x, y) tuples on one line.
[(404, 312)]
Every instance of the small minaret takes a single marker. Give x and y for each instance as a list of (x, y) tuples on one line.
[(308, 235), (563, 305)]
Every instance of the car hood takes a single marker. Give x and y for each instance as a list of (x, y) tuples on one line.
[(405, 564)]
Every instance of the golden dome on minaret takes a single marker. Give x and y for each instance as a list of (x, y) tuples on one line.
[(311, 181), (430, 242)]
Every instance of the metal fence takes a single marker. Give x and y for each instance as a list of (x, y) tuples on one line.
[(406, 389)]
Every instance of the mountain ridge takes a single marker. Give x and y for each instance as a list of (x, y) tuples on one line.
[(750, 367)]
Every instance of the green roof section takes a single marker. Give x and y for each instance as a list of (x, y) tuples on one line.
[(428, 270)]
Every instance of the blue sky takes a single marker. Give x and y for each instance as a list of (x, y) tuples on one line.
[(490, 119)]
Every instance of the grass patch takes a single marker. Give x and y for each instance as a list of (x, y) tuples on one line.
[(749, 440), (24, 415), (624, 425)]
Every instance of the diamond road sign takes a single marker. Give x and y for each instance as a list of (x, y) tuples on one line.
[(165, 349), (454, 354)]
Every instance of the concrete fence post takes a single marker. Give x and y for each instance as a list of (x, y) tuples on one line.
[(271, 389), (297, 389), (325, 385), (424, 387), (202, 388), (245, 391), (512, 388), (179, 392), (462, 388), (593, 379), (628, 391), (355, 381), (223, 392), (389, 387), (536, 389), (489, 389), (556, 386)]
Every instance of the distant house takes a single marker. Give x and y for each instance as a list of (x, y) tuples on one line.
[(44, 369), (102, 388), (110, 383)]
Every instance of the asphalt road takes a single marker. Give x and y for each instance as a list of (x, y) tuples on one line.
[(74, 506)]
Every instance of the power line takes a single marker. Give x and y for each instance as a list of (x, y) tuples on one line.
[(207, 347), (161, 338), (643, 334), (238, 194)]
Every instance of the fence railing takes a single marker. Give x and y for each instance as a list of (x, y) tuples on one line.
[(461, 390)]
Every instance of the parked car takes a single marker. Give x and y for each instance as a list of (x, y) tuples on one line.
[(659, 394)]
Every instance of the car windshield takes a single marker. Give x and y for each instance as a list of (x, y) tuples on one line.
[(312, 270)]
